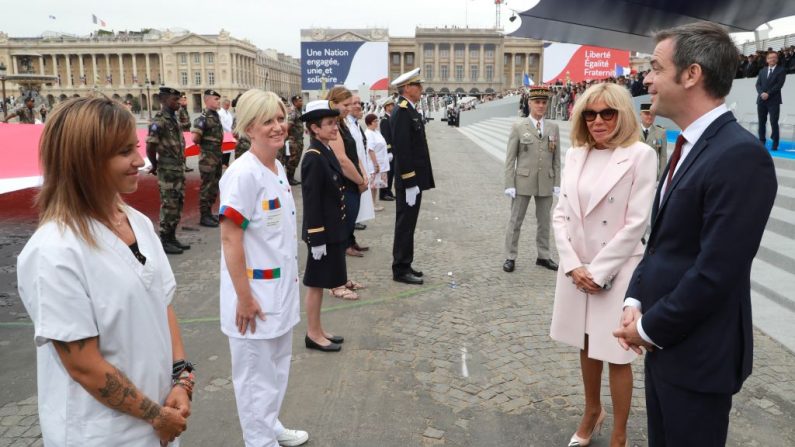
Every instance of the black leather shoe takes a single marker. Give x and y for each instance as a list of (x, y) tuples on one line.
[(208, 221), (179, 244), (360, 226), (416, 273), (293, 182), (547, 263), (216, 218), (408, 278), (338, 339), (310, 344), (171, 249), (509, 265), (188, 169), (388, 199)]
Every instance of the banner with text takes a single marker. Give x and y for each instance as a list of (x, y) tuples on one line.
[(576, 63), (348, 63)]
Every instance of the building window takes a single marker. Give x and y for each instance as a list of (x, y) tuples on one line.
[(444, 52), (196, 58), (409, 58), (395, 58), (473, 72), (459, 73), (474, 53), (197, 78), (518, 60), (428, 71), (444, 71), (211, 77), (489, 53), (183, 78), (183, 58), (428, 51), (210, 58), (489, 73), (506, 59), (459, 51)]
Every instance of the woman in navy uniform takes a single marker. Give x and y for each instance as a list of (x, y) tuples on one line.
[(324, 229)]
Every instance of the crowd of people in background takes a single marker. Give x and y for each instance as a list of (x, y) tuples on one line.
[(750, 65)]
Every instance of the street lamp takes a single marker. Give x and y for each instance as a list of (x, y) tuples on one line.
[(3, 82)]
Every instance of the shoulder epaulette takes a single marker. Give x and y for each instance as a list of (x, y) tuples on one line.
[(403, 104)]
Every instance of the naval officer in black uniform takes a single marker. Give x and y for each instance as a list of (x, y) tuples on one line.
[(413, 173)]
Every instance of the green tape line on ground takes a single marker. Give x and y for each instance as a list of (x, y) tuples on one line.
[(344, 306)]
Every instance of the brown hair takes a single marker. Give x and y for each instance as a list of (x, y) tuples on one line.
[(370, 118), (79, 139), (338, 94), (616, 97)]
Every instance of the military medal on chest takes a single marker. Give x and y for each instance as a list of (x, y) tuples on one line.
[(553, 142)]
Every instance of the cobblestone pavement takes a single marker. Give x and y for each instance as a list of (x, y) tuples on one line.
[(464, 360)]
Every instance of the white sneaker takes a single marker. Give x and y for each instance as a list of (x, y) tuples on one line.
[(291, 438)]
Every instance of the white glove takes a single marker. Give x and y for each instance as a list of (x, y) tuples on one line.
[(556, 191), (318, 252), (411, 195), (390, 156), (511, 192)]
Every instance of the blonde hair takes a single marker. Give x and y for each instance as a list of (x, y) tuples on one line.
[(79, 139), (257, 106), (616, 97), (337, 95)]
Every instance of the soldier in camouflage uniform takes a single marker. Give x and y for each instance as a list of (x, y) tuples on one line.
[(209, 134), (165, 147), (26, 114), (184, 119), (295, 135), (243, 143)]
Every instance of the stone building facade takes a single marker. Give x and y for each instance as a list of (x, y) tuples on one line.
[(132, 65)]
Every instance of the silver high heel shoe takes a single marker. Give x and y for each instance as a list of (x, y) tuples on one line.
[(577, 441)]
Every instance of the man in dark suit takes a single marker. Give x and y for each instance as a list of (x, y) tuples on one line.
[(386, 132), (688, 303), (413, 173), (768, 86)]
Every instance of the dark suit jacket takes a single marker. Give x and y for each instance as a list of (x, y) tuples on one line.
[(770, 84), (322, 186), (694, 278), (410, 148), (386, 132)]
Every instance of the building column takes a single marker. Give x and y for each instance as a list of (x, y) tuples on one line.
[(94, 69), (134, 79), (14, 64), (402, 64), (148, 76), (107, 70), (54, 64), (190, 70), (41, 65), (203, 69), (68, 71), (527, 64), (82, 69), (513, 71), (482, 69), (466, 64), (121, 69), (436, 63)]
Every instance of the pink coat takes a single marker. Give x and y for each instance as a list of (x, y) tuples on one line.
[(607, 240)]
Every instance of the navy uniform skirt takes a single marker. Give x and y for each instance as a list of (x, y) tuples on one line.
[(330, 271)]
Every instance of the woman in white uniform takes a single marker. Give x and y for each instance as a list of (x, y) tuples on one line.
[(259, 271), (98, 287), (376, 149)]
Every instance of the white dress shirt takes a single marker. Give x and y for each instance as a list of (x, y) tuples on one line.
[(226, 119), (692, 135), (535, 123)]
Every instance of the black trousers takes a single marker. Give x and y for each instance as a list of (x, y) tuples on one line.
[(405, 222), (390, 177), (763, 109), (681, 418), (226, 156)]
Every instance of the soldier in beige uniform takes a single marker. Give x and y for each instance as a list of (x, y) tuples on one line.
[(532, 169), (654, 136)]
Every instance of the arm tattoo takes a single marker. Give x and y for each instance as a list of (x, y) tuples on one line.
[(65, 345), (117, 389), (150, 409)]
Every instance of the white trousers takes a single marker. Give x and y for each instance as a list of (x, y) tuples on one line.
[(260, 369)]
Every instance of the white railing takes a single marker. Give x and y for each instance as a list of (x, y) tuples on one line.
[(775, 43)]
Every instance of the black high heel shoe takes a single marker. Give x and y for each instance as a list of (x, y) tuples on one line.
[(311, 344)]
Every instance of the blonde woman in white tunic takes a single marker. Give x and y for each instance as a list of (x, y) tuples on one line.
[(98, 287), (259, 271)]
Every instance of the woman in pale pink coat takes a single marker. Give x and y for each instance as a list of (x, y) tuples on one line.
[(607, 190)]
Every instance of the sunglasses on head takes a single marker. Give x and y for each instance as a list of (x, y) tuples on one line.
[(606, 114)]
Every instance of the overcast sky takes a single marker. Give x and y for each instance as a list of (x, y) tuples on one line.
[(267, 23)]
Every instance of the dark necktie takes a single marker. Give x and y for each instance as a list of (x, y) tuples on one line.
[(645, 134), (680, 141), (769, 72), (538, 126)]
